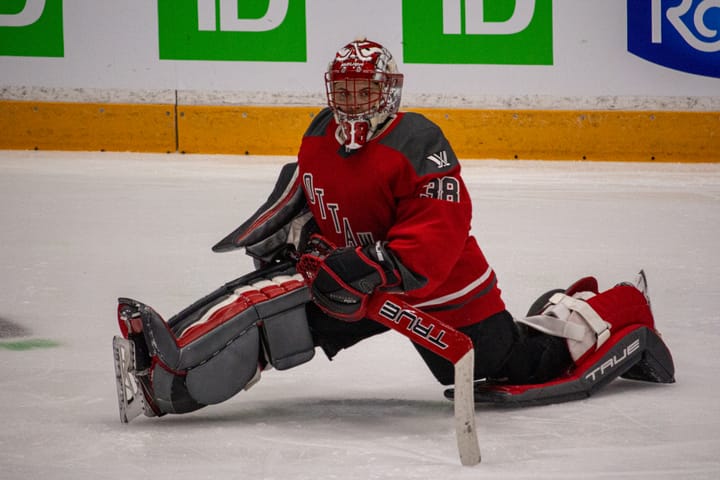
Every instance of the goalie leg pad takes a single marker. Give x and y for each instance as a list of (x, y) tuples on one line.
[(587, 319), (635, 352), (225, 372), (286, 337), (231, 338)]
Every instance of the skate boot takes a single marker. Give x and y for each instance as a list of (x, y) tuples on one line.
[(132, 365)]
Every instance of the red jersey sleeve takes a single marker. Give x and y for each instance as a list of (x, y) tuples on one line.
[(432, 227), (433, 211)]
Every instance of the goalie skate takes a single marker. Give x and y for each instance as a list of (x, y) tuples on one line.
[(131, 401)]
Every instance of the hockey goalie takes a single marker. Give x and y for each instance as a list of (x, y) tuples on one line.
[(369, 231)]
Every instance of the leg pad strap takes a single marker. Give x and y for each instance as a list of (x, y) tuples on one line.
[(574, 319)]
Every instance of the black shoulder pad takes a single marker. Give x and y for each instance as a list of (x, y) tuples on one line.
[(423, 143), (284, 203), (319, 124)]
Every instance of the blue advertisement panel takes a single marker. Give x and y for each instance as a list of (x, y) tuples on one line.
[(679, 34)]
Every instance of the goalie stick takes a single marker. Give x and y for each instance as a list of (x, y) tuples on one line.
[(441, 339), (389, 310)]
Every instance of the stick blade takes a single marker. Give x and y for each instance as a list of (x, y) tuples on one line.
[(465, 428), (429, 332)]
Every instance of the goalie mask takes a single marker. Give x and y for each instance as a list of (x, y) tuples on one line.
[(363, 89)]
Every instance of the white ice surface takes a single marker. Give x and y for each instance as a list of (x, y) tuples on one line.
[(77, 230)]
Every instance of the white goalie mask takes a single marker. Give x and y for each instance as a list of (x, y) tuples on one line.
[(363, 90)]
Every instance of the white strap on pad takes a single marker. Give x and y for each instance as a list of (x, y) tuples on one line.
[(574, 319)]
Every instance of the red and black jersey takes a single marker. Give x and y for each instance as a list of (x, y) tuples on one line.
[(403, 187)]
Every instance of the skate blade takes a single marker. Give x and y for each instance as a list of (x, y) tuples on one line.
[(130, 398)]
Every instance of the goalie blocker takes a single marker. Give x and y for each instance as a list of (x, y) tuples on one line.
[(214, 348)]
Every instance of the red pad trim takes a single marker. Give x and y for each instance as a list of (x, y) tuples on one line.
[(217, 318), (246, 297)]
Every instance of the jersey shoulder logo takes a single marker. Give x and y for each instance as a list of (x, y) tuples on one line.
[(439, 159)]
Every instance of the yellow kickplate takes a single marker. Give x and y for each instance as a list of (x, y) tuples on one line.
[(606, 135), (87, 126)]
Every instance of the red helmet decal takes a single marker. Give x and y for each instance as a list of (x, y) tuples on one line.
[(362, 57)]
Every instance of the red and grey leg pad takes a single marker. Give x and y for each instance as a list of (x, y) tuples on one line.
[(610, 334), (219, 345)]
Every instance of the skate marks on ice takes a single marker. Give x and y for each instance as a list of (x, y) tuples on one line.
[(12, 337)]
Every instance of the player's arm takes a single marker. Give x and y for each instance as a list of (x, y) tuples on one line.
[(433, 208), (431, 229)]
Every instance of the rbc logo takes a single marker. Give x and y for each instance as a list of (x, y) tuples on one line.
[(679, 34)]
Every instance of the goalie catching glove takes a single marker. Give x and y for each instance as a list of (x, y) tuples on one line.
[(342, 279)]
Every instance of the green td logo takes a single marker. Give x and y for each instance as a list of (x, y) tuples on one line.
[(515, 32), (247, 30), (31, 28)]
